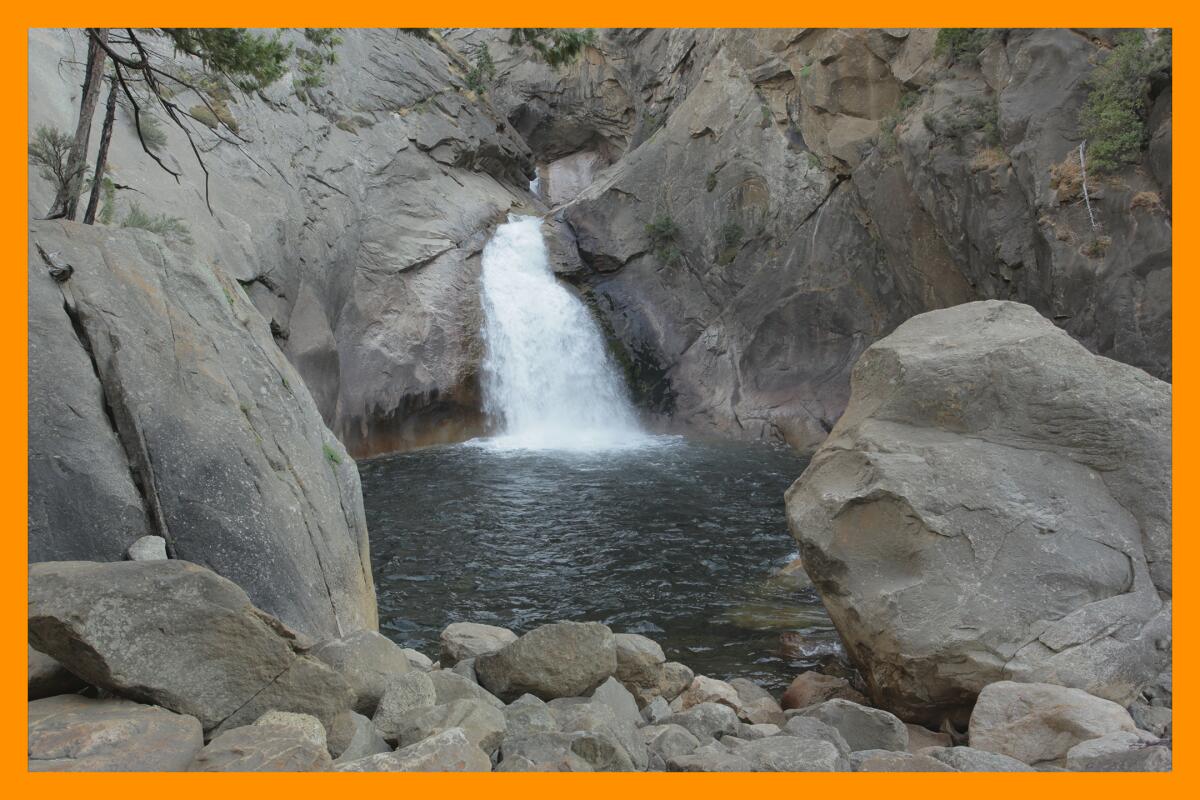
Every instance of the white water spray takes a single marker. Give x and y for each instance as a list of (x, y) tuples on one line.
[(548, 379)]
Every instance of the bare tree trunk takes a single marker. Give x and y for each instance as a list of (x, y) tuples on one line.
[(110, 113), (66, 202)]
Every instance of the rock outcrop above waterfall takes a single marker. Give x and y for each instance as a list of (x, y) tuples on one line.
[(352, 215), (159, 403), (995, 503), (762, 205)]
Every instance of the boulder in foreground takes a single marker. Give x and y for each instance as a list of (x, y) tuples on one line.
[(565, 659), (997, 498)]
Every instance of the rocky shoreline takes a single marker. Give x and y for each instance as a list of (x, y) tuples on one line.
[(163, 665)]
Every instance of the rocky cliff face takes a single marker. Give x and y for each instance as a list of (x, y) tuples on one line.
[(351, 215), (775, 201)]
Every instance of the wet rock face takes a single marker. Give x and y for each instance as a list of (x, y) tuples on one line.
[(997, 498), (825, 185), (208, 431)]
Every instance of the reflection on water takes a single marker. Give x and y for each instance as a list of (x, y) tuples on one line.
[(681, 540)]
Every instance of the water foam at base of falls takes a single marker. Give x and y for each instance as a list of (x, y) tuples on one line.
[(548, 379)]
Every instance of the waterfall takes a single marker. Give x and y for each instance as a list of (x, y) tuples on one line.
[(548, 380)]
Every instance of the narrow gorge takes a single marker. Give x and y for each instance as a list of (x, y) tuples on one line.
[(617, 400)]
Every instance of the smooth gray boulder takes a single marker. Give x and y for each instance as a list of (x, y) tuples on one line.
[(892, 761), (405, 695), (1082, 755), (368, 661), (667, 741), (1152, 758), (47, 677), (995, 497), (594, 716), (417, 659), (552, 751), (813, 728), (758, 730), (704, 689), (483, 724), (564, 659), (148, 548), (362, 740), (1039, 722), (810, 688), (640, 663), (72, 733), (463, 640), (707, 721), (862, 727), (711, 757), (614, 694), (447, 751), (266, 747), (971, 759), (450, 686), (306, 726), (236, 468), (758, 706), (792, 754), (656, 711), (528, 714), (175, 634)]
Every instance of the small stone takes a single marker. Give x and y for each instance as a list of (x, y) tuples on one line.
[(405, 694), (710, 690), (812, 728), (466, 669), (1155, 719), (1080, 757), (920, 737), (810, 688), (969, 759), (709, 758), (448, 751), (483, 724), (656, 711), (565, 659), (793, 754), (361, 740), (862, 727), (613, 694), (526, 715), (639, 662), (892, 761), (757, 704), (1146, 759), (760, 730), (417, 659), (668, 741), (148, 548), (368, 661), (707, 721), (676, 678), (462, 640), (450, 686)]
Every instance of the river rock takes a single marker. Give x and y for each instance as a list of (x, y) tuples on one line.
[(462, 640), (483, 724), (47, 677), (450, 686), (920, 737), (1020, 417), (174, 634), (563, 752), (971, 759), (751, 731), (305, 726), (1155, 719), (709, 758), (1081, 755), (1040, 722), (598, 717), (528, 714), (676, 678), (707, 721), (640, 663), (862, 727), (757, 704), (447, 751), (405, 695), (1145, 759), (667, 741), (656, 711), (792, 754), (72, 733), (892, 761), (813, 728), (809, 688), (267, 747), (564, 659), (614, 694), (360, 739), (417, 659), (148, 548), (368, 661), (466, 668), (710, 690)]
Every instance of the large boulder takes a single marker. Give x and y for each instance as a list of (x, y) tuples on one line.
[(862, 727), (368, 661), (640, 663), (565, 659), (1040, 722), (72, 733), (179, 379), (483, 724), (448, 751), (463, 640), (174, 634), (995, 503), (276, 742)]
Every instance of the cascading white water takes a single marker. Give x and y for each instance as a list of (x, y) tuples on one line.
[(548, 379)]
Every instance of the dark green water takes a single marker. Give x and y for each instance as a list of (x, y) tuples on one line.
[(679, 540)]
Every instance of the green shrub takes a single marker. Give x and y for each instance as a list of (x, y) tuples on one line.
[(331, 454), (663, 233), (483, 73), (962, 44), (1113, 117), (48, 152), (162, 224)]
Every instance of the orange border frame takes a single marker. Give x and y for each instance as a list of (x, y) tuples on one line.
[(613, 13)]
